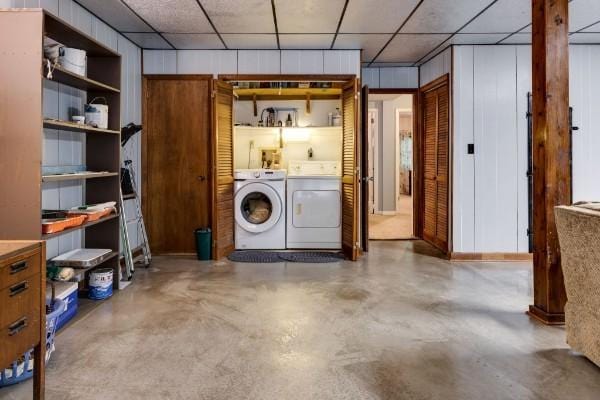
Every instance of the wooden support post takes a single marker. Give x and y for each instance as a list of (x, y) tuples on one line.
[(551, 151)]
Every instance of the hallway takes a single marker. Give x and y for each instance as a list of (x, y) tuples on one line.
[(399, 324)]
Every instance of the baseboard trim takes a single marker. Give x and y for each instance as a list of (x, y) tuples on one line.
[(546, 318), (458, 256)]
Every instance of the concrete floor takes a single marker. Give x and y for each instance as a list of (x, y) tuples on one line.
[(399, 324)]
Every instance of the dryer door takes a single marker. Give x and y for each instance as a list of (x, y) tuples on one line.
[(316, 209), (258, 207)]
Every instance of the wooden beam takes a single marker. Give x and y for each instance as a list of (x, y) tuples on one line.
[(551, 153)]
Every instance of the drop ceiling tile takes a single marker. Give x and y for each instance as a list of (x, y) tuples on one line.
[(241, 16), (410, 47), (369, 43), (588, 38), (477, 38), (173, 16), (443, 16), (583, 13), (194, 40), (308, 16), (250, 41), (505, 16), (116, 14), (379, 16), (593, 28), (518, 38), (317, 41), (148, 40)]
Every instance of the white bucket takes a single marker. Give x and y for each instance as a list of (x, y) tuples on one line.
[(73, 60), (97, 114), (101, 284)]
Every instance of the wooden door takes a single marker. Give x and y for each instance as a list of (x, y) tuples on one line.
[(435, 163), (222, 177), (176, 161), (350, 187), (366, 171)]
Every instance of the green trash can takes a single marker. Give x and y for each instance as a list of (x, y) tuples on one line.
[(203, 243)]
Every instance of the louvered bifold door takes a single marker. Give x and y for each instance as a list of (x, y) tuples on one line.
[(350, 171), (435, 165), (222, 177)]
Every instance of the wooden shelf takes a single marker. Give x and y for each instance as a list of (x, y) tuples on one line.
[(61, 75), (83, 226), (77, 176), (73, 127), (288, 93)]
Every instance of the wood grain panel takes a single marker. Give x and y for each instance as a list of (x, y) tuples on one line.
[(350, 200), (222, 137), (177, 193)]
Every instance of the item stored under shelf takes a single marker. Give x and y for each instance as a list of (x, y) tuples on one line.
[(83, 258), (73, 127), (83, 226)]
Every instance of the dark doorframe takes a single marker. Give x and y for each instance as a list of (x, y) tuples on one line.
[(416, 192)]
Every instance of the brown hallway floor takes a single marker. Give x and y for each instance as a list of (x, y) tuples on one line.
[(399, 324), (397, 226)]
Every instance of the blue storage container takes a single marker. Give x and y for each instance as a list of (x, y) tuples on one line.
[(66, 291)]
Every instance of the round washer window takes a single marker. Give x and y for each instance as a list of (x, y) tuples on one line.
[(256, 208)]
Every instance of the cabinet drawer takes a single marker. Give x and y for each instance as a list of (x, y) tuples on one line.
[(18, 337), (17, 268), (20, 299)]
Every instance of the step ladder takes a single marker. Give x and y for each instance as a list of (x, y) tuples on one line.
[(146, 256)]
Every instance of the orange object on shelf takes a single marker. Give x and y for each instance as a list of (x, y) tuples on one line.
[(91, 216), (54, 225)]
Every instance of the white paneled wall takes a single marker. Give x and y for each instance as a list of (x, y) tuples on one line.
[(61, 101), (584, 96), (436, 67), (251, 62), (391, 77)]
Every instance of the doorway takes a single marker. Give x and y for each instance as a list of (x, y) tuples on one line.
[(391, 126)]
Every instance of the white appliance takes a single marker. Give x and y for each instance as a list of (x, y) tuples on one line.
[(259, 203), (314, 202)]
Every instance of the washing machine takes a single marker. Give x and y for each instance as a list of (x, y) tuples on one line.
[(259, 203), (314, 203)]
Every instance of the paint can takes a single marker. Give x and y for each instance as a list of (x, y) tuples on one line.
[(96, 114), (101, 284), (73, 60)]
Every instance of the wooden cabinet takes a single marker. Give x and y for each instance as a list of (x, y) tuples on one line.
[(23, 305)]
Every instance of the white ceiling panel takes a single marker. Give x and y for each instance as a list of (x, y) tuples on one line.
[(477, 38), (174, 16), (593, 28), (240, 16), (319, 41), (588, 38), (407, 48), (250, 41), (116, 14), (376, 16), (583, 13), (443, 16), (148, 40), (518, 38), (505, 16), (194, 40), (370, 43), (308, 16)]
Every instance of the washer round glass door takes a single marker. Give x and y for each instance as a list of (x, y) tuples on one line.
[(257, 207)]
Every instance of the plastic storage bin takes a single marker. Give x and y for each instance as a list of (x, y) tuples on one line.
[(67, 292), (203, 243)]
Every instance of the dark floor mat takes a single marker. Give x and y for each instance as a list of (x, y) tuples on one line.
[(312, 256), (256, 256)]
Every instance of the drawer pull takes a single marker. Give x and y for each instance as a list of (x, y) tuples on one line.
[(18, 267), (18, 288), (17, 327)]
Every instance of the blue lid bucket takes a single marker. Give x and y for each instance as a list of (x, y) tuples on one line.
[(101, 284)]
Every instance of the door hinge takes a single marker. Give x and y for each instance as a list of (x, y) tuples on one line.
[(213, 94)]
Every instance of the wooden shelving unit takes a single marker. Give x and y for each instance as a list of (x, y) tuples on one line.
[(22, 71)]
